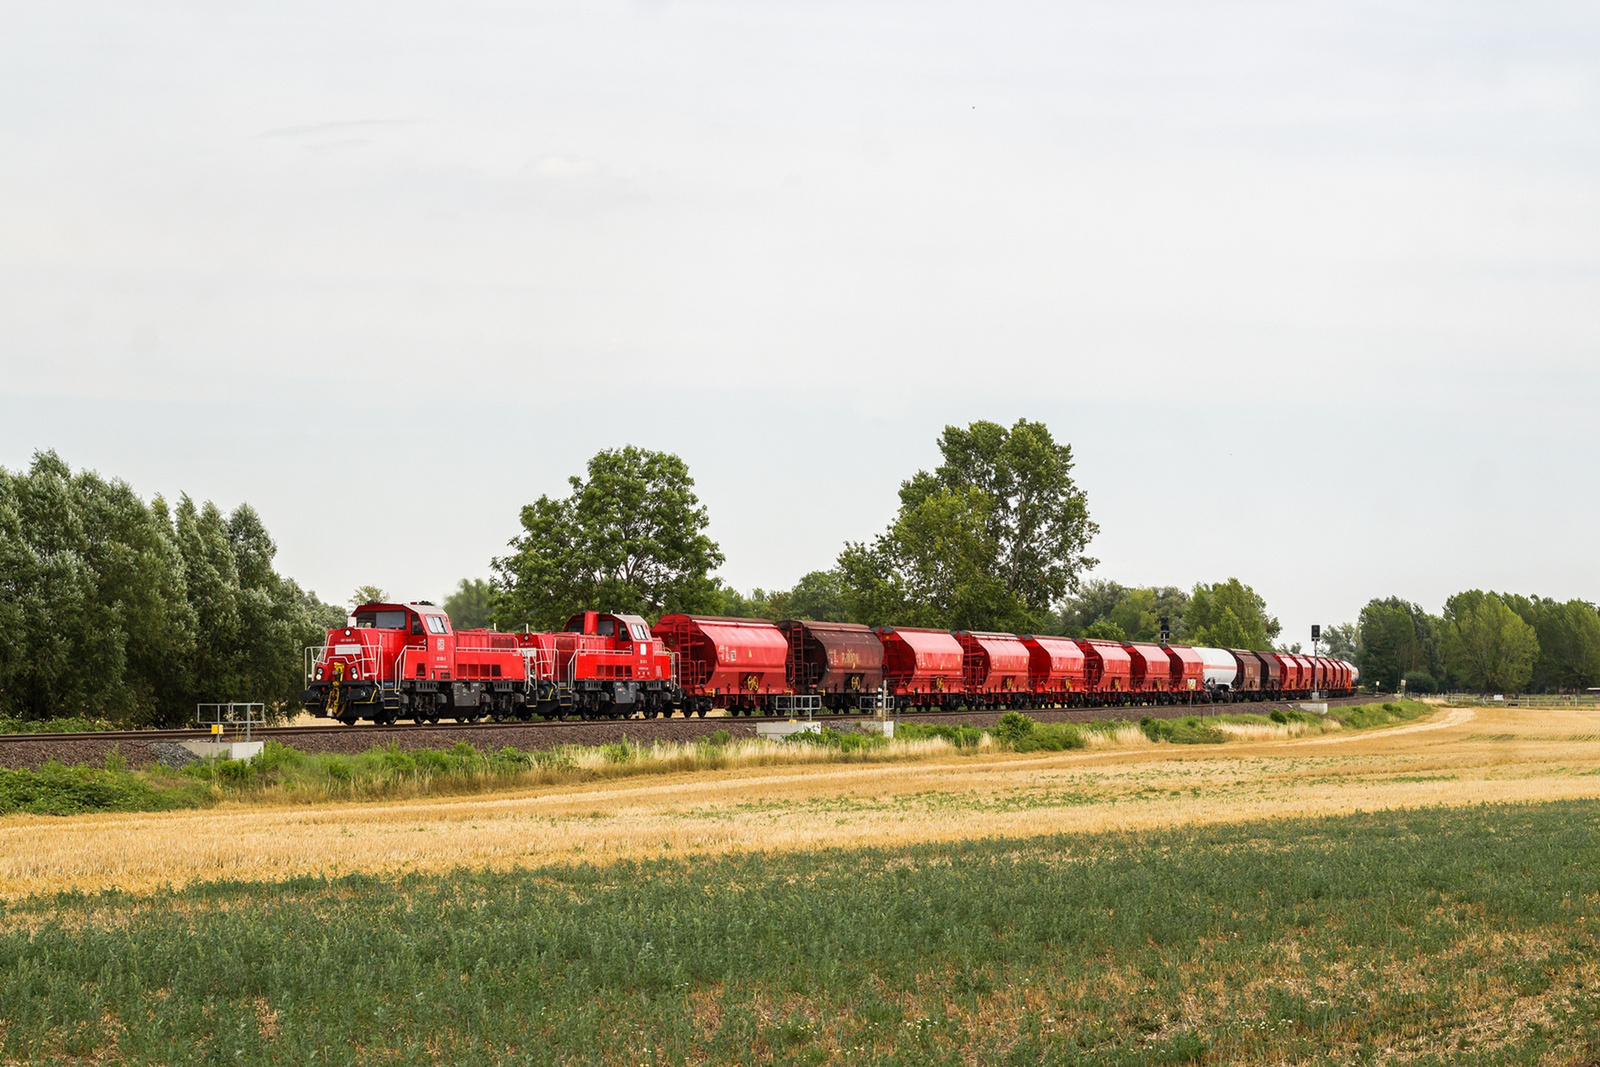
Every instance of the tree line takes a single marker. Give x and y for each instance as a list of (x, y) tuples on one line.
[(119, 609), (1482, 642), (116, 609)]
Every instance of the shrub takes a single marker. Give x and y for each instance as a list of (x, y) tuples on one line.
[(829, 738), (1420, 682), (1012, 727), (1186, 731), (959, 736), (58, 790), (618, 752)]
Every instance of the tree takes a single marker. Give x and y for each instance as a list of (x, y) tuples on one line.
[(469, 606), (819, 596), (1140, 613), (1487, 646), (1105, 630), (630, 538), (1394, 636), (1569, 645), (1094, 601), (1339, 641), (122, 610), (992, 539), (1569, 640), (1230, 614), (368, 594)]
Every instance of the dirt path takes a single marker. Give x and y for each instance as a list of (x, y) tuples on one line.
[(1459, 756), (1450, 717)]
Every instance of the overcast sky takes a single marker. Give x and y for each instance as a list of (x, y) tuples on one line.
[(1312, 289)]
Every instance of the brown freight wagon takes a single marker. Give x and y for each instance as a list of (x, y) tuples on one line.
[(1249, 671), (842, 662)]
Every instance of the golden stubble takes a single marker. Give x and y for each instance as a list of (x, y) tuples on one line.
[(1457, 756)]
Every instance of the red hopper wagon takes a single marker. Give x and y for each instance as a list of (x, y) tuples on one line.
[(994, 668), (1056, 668), (737, 664), (922, 667)]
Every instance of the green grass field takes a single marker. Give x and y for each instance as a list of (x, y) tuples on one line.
[(1443, 935)]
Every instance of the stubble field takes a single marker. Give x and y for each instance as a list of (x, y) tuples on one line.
[(1423, 894), (1456, 756)]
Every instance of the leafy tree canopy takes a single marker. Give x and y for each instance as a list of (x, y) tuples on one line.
[(1394, 637), (1339, 641), (991, 539), (629, 538), (1230, 614), (469, 606), (369, 594), (121, 610), (1569, 640), (1487, 646)]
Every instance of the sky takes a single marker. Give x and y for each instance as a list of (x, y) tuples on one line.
[(1312, 289)]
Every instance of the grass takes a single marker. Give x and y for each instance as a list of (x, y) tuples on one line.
[(286, 774), (55, 789), (1442, 935)]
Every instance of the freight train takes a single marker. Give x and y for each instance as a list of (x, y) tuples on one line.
[(406, 661)]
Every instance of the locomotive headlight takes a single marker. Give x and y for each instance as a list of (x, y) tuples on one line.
[(319, 674)]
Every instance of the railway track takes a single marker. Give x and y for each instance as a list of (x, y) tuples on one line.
[(711, 722)]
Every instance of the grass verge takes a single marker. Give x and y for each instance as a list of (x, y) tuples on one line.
[(1442, 935), (284, 774)]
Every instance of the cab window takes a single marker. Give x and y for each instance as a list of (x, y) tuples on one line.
[(436, 624), (381, 620), (416, 625), (639, 632), (606, 628)]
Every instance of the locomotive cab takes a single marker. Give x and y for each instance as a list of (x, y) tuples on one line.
[(383, 648), (610, 664)]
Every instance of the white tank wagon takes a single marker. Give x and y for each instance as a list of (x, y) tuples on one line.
[(1221, 669)]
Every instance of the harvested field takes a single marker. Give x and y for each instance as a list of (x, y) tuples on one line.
[(1445, 935), (1459, 756)]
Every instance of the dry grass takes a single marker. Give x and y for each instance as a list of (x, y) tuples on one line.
[(1460, 756)]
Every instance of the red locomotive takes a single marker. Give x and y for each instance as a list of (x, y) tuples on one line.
[(405, 661)]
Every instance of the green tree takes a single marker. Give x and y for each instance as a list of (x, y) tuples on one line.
[(1339, 641), (1487, 646), (1230, 614), (97, 624), (1140, 613), (760, 604), (1569, 640), (1094, 601), (1569, 645), (630, 538), (368, 594), (991, 539), (1104, 630), (117, 609), (820, 596), (469, 607), (1394, 636)]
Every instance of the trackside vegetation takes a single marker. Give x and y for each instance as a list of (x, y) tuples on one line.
[(1465, 936), (284, 774)]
